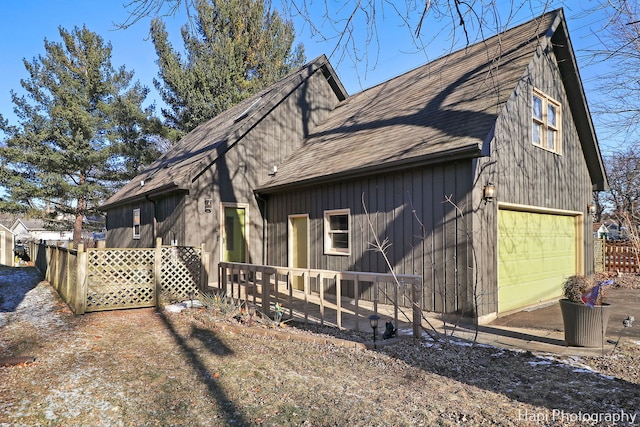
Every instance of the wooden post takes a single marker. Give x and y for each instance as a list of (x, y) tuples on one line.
[(157, 270), (417, 311), (80, 291), (376, 295), (276, 288), (305, 280), (69, 273), (47, 272), (356, 295), (396, 302), (338, 301), (254, 276), (53, 275), (266, 293), (321, 289), (222, 278), (204, 269), (290, 289)]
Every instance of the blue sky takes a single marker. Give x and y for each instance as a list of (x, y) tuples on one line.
[(27, 23)]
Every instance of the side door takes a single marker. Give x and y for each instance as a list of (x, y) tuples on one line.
[(298, 246), (234, 233)]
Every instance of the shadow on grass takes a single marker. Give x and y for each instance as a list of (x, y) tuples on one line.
[(524, 337), (231, 412)]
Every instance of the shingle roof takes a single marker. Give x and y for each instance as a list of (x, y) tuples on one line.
[(180, 165), (446, 107)]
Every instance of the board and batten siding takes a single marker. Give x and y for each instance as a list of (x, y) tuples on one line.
[(120, 226), (161, 218), (427, 235), (529, 176), (246, 163), (170, 219)]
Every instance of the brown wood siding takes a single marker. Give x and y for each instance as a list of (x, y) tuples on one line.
[(232, 178), (120, 226), (170, 219), (407, 208), (528, 175)]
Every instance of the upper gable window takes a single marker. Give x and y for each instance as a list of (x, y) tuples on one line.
[(546, 122)]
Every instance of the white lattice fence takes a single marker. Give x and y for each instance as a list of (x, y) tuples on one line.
[(181, 271), (120, 278)]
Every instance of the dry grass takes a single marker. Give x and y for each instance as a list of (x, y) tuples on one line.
[(142, 367)]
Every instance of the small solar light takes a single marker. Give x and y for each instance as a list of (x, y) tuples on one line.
[(373, 320)]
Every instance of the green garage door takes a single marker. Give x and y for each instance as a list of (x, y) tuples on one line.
[(536, 252)]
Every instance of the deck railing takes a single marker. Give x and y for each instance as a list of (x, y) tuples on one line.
[(321, 291)]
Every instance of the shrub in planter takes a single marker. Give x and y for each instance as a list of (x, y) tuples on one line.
[(584, 314)]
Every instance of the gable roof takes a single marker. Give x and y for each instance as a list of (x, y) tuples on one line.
[(199, 149), (29, 224), (445, 109), (7, 219), (5, 228)]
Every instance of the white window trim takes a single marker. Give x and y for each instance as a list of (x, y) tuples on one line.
[(328, 233), (544, 144), (136, 214)]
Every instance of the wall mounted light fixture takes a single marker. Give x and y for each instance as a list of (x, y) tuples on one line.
[(208, 205), (489, 192), (592, 209)]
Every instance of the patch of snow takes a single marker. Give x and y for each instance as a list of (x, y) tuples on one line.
[(178, 307)]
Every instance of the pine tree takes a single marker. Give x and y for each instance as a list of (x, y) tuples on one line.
[(233, 49), (82, 129)]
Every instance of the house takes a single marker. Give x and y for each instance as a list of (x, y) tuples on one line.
[(478, 168), (7, 242), (600, 230), (36, 230)]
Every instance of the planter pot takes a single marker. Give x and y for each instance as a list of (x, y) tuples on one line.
[(584, 326)]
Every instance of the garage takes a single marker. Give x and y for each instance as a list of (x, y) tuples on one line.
[(536, 252)]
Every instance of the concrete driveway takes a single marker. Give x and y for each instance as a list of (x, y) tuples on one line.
[(543, 328)]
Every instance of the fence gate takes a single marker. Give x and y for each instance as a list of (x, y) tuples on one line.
[(120, 278)]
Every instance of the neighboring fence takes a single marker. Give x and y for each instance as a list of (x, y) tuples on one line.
[(330, 287), (118, 278), (599, 265), (621, 256)]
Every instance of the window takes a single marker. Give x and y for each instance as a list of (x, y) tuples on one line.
[(136, 223), (336, 232), (546, 122)]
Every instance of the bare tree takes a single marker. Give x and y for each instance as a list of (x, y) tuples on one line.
[(620, 45), (139, 9), (623, 171), (354, 26)]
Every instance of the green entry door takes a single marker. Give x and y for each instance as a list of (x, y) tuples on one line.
[(234, 240), (536, 252)]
